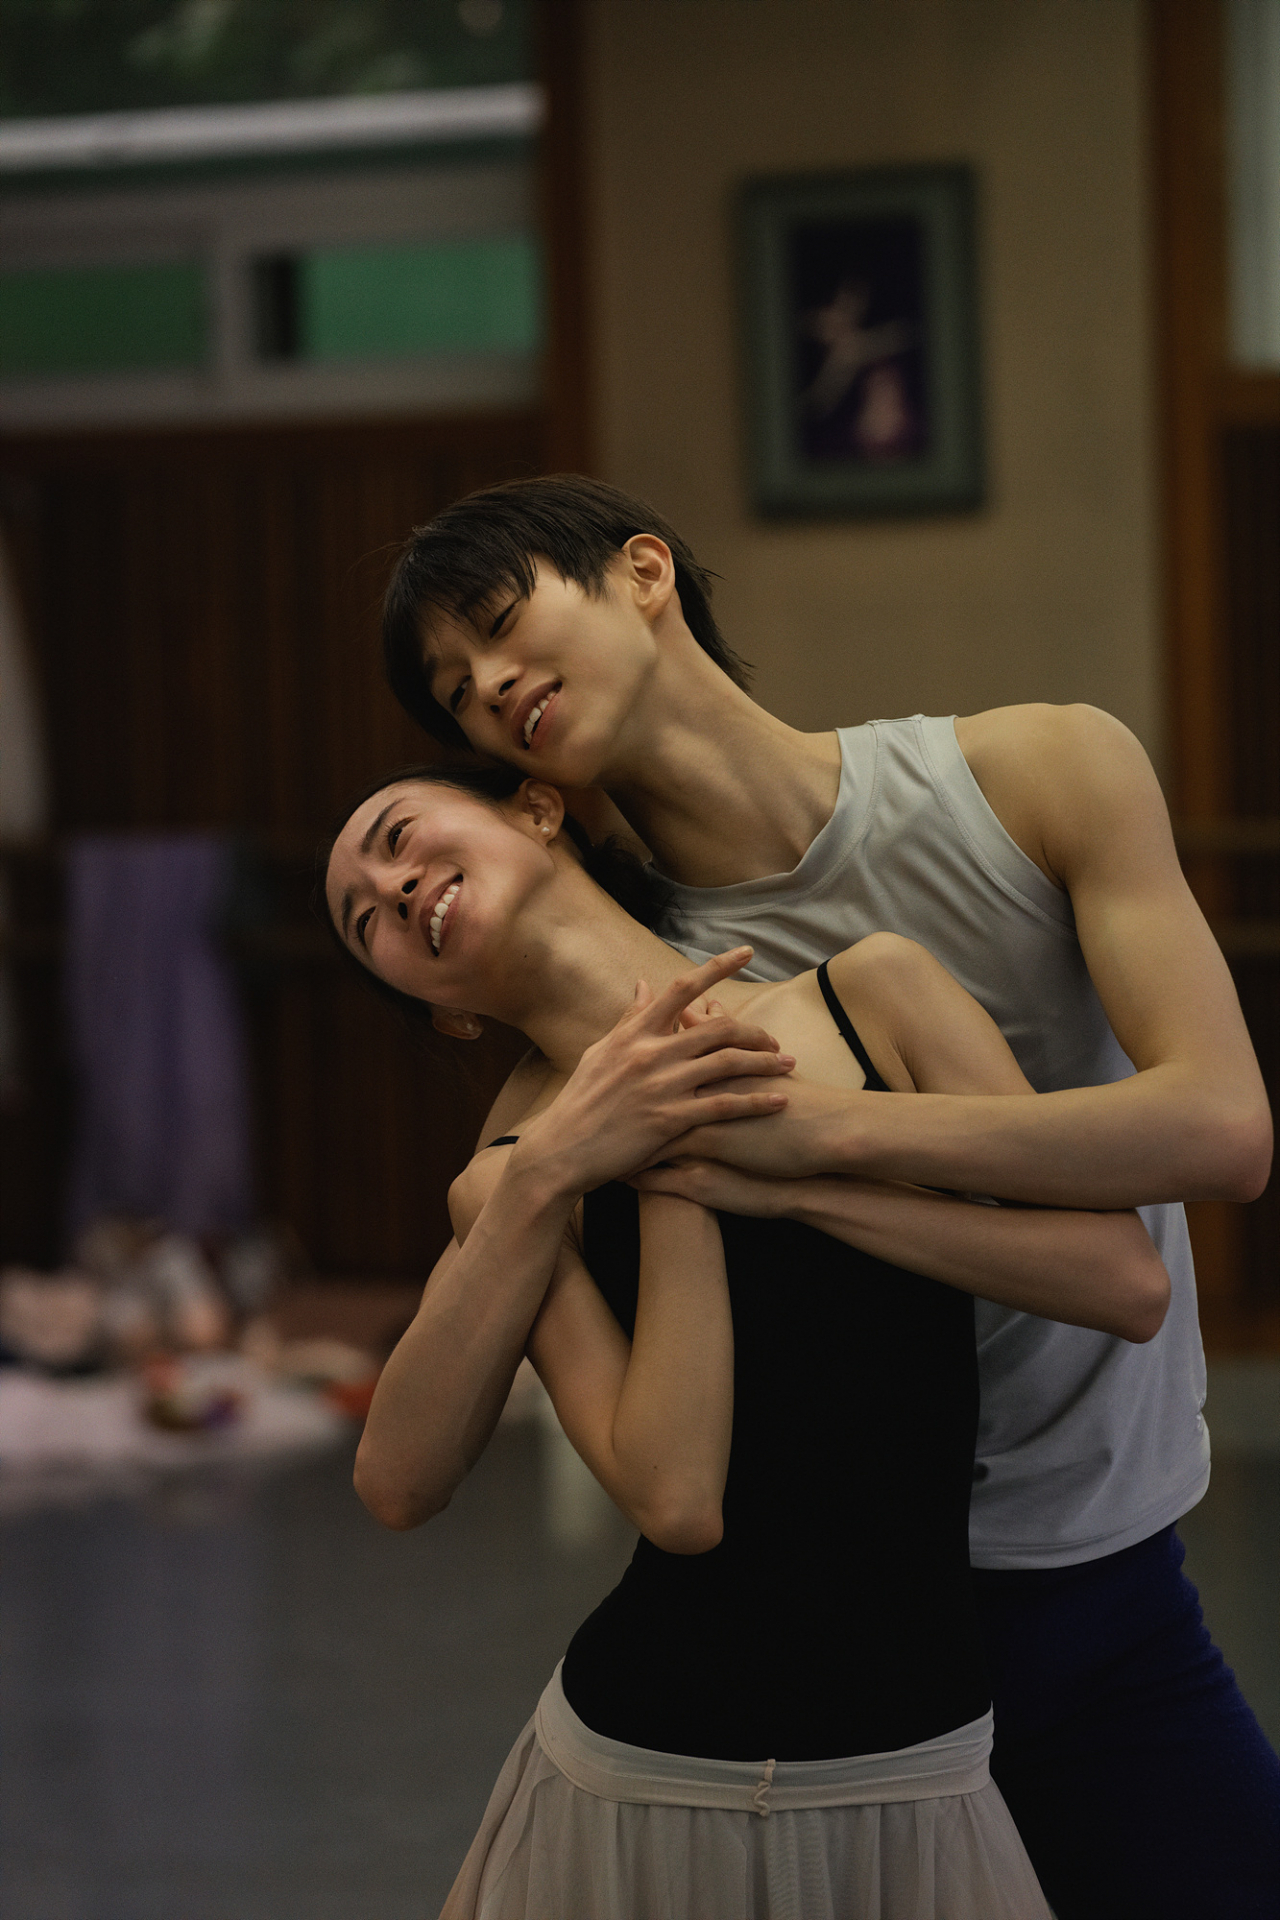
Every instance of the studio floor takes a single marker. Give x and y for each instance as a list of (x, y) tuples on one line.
[(237, 1698)]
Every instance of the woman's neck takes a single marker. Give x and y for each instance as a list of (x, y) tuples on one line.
[(579, 965)]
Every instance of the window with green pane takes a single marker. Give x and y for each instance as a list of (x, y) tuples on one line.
[(478, 295), (102, 319)]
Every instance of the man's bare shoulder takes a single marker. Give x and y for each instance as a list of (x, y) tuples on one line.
[(1048, 771)]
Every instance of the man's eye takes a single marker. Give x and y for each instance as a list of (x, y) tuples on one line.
[(362, 923)]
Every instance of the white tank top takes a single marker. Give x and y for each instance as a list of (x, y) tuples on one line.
[(1087, 1443)]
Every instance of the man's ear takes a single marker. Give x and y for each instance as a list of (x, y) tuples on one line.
[(458, 1025), (652, 573), (543, 806)]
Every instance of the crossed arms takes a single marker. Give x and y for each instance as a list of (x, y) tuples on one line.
[(652, 1418)]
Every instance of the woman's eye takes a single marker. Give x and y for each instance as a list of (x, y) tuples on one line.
[(362, 923), (455, 698), (393, 834)]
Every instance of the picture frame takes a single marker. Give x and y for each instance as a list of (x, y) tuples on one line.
[(862, 360)]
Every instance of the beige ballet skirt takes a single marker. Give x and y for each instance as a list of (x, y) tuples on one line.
[(580, 1827)]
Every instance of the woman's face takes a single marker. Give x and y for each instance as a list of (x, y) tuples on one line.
[(548, 683), (426, 885)]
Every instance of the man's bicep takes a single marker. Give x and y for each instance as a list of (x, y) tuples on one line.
[(1159, 972)]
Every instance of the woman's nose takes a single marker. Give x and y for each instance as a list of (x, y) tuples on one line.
[(394, 885), (497, 690)]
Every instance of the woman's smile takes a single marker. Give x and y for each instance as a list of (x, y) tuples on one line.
[(441, 916)]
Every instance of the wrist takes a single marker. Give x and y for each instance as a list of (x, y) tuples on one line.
[(543, 1173)]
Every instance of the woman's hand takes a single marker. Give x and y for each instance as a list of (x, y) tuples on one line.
[(652, 1078)]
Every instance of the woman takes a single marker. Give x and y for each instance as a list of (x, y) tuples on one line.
[(782, 1707)]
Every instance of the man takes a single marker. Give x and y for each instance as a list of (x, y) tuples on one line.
[(562, 627)]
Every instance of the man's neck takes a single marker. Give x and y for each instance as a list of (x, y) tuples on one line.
[(718, 789)]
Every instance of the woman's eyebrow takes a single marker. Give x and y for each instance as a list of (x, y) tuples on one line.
[(348, 898)]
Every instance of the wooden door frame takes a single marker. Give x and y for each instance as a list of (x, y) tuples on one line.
[(1200, 396)]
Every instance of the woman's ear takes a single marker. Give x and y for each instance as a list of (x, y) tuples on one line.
[(543, 806), (458, 1025)]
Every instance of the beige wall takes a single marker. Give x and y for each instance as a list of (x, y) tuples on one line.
[(1049, 592)]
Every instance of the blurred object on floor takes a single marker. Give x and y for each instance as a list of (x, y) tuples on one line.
[(54, 1320), (368, 1313), (156, 1035), (75, 1440)]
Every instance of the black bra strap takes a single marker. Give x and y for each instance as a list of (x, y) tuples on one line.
[(504, 1140), (874, 1083)]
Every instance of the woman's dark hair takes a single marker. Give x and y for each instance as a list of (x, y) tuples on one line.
[(613, 866), (487, 543)]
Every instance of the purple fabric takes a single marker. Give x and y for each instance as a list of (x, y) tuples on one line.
[(156, 1035)]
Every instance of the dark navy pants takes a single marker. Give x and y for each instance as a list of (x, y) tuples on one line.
[(1141, 1783)]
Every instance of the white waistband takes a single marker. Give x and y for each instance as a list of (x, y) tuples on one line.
[(954, 1763)]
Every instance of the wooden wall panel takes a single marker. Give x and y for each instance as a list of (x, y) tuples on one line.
[(204, 608), (1221, 472)]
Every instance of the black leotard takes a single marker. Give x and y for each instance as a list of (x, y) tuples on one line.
[(835, 1616)]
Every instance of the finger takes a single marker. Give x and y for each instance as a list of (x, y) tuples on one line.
[(689, 985), (714, 1107), (707, 1035), (663, 1180), (730, 1063)]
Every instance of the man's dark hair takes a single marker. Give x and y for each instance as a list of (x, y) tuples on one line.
[(487, 543)]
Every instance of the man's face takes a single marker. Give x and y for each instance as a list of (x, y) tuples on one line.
[(549, 683)]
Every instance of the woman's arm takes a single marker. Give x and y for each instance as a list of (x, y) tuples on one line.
[(926, 1033), (652, 1417), (444, 1387)]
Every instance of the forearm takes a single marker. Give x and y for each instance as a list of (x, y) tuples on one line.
[(1090, 1269), (444, 1387), (674, 1418), (1160, 1135)]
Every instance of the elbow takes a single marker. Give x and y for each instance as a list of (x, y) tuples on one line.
[(393, 1504), (686, 1529), (1237, 1151), (1250, 1155), (1146, 1294)]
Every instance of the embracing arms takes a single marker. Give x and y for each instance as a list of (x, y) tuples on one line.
[(1089, 1269), (652, 1417), (1075, 790), (444, 1387)]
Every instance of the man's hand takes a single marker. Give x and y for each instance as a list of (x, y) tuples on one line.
[(660, 1070), (815, 1135), (721, 1189)]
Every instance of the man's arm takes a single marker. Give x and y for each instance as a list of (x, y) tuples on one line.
[(1075, 790), (1091, 1269)]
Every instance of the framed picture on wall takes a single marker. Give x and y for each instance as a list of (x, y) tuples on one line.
[(861, 332)]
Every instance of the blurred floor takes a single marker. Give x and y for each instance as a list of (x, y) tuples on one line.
[(241, 1700)]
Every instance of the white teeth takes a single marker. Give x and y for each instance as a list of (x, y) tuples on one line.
[(534, 718), (442, 907)]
